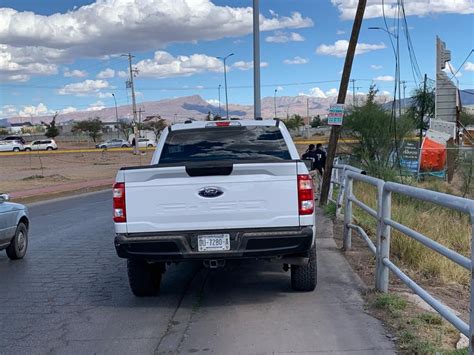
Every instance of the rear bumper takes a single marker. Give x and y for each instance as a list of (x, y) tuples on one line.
[(251, 243)]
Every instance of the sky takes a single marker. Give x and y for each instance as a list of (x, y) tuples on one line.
[(67, 55)]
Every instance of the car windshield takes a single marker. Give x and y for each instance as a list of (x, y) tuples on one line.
[(234, 144)]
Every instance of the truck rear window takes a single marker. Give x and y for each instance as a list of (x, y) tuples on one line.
[(253, 143)]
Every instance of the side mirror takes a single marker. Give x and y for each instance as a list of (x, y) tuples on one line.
[(308, 163), (4, 198)]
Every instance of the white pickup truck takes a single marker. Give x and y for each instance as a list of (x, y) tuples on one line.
[(217, 191)]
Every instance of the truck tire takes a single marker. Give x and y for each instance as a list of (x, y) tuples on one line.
[(17, 248), (304, 277), (144, 278)]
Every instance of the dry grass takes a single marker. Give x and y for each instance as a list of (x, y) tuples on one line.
[(28, 171), (445, 226)]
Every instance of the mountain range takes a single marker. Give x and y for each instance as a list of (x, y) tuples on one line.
[(182, 108)]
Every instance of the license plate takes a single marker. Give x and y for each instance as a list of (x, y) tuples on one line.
[(213, 242)]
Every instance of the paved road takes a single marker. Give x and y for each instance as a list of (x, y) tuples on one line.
[(70, 296)]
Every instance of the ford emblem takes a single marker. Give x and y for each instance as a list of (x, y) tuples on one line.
[(210, 192)]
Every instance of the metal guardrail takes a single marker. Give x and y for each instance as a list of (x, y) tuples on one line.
[(344, 177)]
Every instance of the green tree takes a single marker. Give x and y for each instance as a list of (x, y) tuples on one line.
[(422, 102), (3, 131), (375, 130), (316, 121), (124, 127), (466, 118), (156, 126), (52, 130), (294, 122), (92, 127)]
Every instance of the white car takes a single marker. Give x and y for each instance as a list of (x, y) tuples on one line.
[(217, 191), (11, 146), (45, 144), (146, 143)]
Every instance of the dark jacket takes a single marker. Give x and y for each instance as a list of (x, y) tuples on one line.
[(318, 156)]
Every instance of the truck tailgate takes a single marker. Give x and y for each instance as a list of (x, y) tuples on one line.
[(253, 196)]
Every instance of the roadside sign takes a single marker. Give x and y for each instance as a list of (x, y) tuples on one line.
[(336, 113), (409, 157)]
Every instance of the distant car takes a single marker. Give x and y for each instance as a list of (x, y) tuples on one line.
[(113, 143), (14, 138), (146, 143), (46, 144), (11, 146), (14, 223)]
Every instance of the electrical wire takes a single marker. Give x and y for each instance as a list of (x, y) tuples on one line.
[(465, 60)]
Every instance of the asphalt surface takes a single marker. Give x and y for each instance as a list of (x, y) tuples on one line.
[(70, 295)]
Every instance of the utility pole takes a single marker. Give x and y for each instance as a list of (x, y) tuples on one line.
[(346, 74), (134, 103), (140, 121), (404, 83), (353, 92), (422, 114), (257, 110), (219, 89), (225, 82), (275, 102), (116, 115), (307, 110)]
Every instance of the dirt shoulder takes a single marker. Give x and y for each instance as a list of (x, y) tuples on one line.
[(416, 328), (30, 178)]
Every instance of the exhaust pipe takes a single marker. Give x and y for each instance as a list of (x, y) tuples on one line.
[(214, 264)]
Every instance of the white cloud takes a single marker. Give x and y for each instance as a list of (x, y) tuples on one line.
[(241, 65), (68, 109), (106, 74), (314, 92), (18, 64), (332, 92), (39, 110), (450, 70), (165, 65), (386, 93), (384, 78), (469, 66), (8, 111), (339, 48), (109, 27), (280, 88), (123, 74), (74, 73), (213, 102), (106, 95), (296, 60), (96, 106), (284, 37), (340, 32), (347, 8), (84, 88), (376, 67)]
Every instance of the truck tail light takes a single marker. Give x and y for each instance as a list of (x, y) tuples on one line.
[(305, 194), (120, 212)]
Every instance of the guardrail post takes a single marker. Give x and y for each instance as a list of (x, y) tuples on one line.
[(383, 241), (347, 240), (340, 195)]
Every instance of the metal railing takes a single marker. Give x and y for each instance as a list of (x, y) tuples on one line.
[(345, 177)]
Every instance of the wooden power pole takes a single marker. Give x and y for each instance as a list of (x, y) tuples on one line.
[(341, 98)]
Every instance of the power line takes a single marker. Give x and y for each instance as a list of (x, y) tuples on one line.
[(465, 60)]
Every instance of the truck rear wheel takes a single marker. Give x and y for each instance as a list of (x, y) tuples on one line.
[(304, 277), (144, 278)]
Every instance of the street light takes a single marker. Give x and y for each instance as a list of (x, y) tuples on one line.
[(225, 82), (116, 114), (219, 89), (275, 102)]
